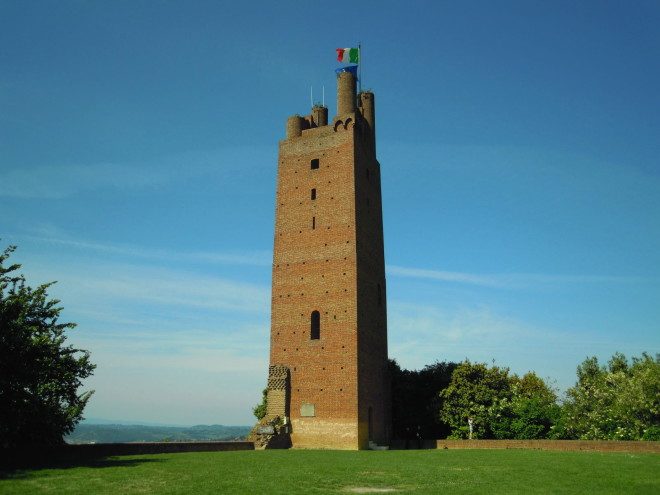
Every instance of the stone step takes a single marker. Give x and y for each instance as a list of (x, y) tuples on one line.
[(375, 446)]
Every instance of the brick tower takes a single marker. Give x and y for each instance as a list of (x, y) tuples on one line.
[(328, 349)]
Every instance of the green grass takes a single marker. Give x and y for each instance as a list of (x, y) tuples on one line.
[(295, 471)]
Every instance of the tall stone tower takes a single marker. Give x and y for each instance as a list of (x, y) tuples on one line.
[(328, 349)]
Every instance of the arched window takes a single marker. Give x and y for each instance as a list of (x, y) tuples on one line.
[(313, 194), (314, 164), (315, 327)]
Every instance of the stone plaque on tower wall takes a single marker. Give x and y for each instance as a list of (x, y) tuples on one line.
[(307, 410)]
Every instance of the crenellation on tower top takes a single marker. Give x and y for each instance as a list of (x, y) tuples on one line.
[(296, 124), (353, 109)]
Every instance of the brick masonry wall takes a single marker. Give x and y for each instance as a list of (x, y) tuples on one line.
[(314, 269), (374, 389), (328, 257), (276, 403), (572, 445)]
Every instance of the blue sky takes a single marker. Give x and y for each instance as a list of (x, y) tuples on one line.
[(519, 146)]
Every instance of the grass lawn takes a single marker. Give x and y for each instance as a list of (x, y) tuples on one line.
[(299, 471)]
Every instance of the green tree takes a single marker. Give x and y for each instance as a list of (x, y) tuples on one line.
[(416, 402), (501, 405), (474, 391), (619, 401), (39, 374), (261, 409), (530, 413)]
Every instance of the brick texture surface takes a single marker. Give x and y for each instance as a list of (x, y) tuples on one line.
[(328, 257), (572, 445)]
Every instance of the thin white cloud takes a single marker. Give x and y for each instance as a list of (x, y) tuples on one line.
[(188, 377), (422, 334), (169, 344), (61, 181), (56, 182), (122, 284), (242, 348), (443, 276), (504, 281), (427, 323), (50, 234), (254, 258)]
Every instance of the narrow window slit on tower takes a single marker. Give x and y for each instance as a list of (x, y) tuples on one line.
[(315, 326), (314, 164), (313, 223), (313, 194)]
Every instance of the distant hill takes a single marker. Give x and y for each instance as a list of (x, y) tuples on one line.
[(117, 433), (105, 421)]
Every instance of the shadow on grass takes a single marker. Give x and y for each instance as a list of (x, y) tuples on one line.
[(27, 469)]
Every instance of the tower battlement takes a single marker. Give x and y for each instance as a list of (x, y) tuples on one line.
[(328, 306), (352, 109)]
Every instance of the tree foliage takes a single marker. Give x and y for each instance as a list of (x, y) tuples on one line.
[(619, 401), (39, 374), (261, 409), (500, 405), (473, 391), (415, 400), (529, 413)]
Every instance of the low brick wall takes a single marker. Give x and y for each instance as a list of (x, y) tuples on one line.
[(573, 445), (35, 455)]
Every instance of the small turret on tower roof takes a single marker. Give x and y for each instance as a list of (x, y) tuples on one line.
[(345, 94), (319, 116)]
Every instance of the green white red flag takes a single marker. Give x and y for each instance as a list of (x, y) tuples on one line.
[(348, 55)]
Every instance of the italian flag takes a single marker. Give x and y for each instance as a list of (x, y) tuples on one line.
[(348, 55)]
